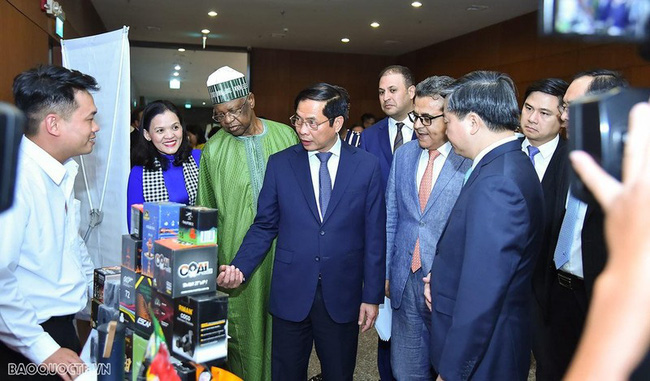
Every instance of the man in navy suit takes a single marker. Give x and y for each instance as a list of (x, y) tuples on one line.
[(480, 279), (396, 93), (424, 183), (324, 202)]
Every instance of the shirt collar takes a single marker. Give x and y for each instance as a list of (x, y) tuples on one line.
[(443, 149), (407, 123), (52, 167), (546, 149), (335, 150)]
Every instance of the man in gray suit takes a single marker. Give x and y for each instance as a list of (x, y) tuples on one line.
[(425, 179)]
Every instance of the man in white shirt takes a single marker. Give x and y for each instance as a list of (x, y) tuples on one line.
[(45, 269), (424, 183)]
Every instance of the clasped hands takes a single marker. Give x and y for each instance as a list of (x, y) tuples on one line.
[(229, 276)]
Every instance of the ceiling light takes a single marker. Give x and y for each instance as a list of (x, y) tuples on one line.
[(416, 4), (175, 83), (475, 7), (374, 24), (345, 39), (181, 49), (177, 67), (203, 103), (176, 74), (212, 13), (188, 105), (205, 31)]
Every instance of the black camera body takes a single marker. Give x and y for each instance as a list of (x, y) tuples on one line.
[(12, 121), (598, 125)]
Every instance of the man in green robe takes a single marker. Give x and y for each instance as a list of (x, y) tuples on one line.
[(230, 178)]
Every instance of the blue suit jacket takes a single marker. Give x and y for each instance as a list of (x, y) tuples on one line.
[(405, 222), (348, 248), (375, 139), (481, 276)]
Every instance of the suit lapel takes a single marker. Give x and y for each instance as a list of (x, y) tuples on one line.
[(450, 167), (412, 164), (384, 141), (300, 166), (347, 167)]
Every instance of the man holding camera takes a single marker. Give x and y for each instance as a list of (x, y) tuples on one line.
[(45, 269)]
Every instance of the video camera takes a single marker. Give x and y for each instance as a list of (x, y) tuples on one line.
[(11, 130), (598, 123)]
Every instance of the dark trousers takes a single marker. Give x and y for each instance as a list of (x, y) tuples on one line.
[(62, 331), (383, 360), (555, 339), (336, 345)]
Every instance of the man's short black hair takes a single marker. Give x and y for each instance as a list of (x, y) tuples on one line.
[(49, 89), (336, 98), (551, 86), (603, 80), (399, 69)]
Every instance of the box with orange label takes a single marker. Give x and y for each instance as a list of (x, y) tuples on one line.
[(183, 269)]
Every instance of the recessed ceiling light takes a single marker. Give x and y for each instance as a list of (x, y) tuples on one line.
[(345, 39), (475, 7), (203, 103), (205, 31), (416, 4), (374, 24), (175, 83), (181, 49), (212, 13), (177, 67), (188, 105), (176, 74)]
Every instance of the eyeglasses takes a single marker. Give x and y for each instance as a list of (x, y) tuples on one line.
[(424, 119), (220, 117), (297, 122)]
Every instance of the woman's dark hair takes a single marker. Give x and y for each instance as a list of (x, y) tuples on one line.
[(146, 153), (196, 130)]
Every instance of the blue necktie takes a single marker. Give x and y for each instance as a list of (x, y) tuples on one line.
[(467, 174), (324, 182), (565, 239), (532, 151)]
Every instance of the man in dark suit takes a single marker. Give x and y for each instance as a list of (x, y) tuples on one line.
[(323, 200), (423, 186), (548, 151), (574, 250), (396, 93), (480, 279)]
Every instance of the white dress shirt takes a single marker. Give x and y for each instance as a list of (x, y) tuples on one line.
[(438, 163), (543, 158), (45, 269), (407, 131), (332, 167)]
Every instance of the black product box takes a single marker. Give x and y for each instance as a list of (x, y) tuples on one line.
[(127, 296), (200, 327), (160, 220), (183, 269), (184, 370), (128, 353), (131, 253), (94, 311), (137, 210), (144, 292), (102, 276), (163, 309), (197, 225)]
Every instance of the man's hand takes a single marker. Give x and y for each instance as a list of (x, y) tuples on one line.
[(229, 277), (65, 363), (368, 315), (427, 290), (387, 290)]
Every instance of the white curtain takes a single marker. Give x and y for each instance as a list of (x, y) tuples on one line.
[(103, 174)]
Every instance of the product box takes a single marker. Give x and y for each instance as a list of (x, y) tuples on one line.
[(183, 269), (201, 327), (137, 211), (144, 292), (163, 309), (139, 349), (185, 370), (127, 296), (159, 220), (131, 253), (102, 276), (128, 353), (197, 225), (94, 312)]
